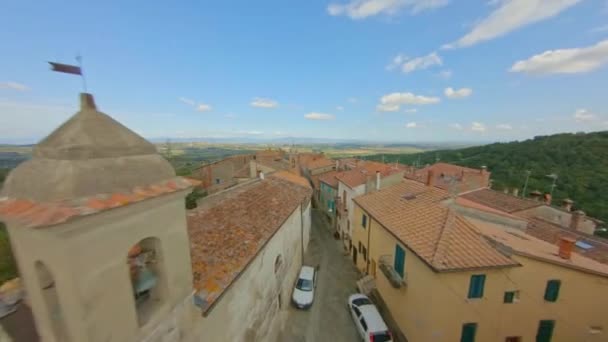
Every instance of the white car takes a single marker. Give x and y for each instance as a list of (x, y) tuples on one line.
[(304, 291), (368, 320)]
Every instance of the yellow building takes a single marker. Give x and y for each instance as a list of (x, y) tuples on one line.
[(452, 270)]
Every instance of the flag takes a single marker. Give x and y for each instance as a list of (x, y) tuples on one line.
[(68, 69)]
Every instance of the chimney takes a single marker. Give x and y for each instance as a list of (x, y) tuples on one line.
[(567, 204), (505, 190), (566, 245), (535, 195), (483, 170), (430, 178), (378, 180), (577, 219), (547, 198), (515, 192), (261, 175)]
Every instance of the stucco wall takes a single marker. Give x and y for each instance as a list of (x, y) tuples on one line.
[(88, 260), (434, 306), (560, 217), (250, 309)]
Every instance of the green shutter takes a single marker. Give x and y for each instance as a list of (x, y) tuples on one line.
[(477, 285), (552, 290), (468, 332), (545, 331), (509, 296)]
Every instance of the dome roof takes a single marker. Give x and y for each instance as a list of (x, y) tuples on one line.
[(89, 154)]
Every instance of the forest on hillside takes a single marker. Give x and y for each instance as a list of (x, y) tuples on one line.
[(579, 160)]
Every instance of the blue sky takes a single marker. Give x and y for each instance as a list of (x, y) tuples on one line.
[(385, 70)]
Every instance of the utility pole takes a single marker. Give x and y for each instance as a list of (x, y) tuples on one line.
[(554, 177), (523, 193)]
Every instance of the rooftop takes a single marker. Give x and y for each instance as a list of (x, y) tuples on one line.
[(447, 175), (319, 162), (527, 245), (230, 228), (365, 170), (501, 201), (329, 178), (415, 215)]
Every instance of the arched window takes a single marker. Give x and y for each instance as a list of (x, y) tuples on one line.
[(147, 274), (48, 290)]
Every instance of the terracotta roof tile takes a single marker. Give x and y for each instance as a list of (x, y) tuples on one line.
[(365, 170), (292, 178), (448, 176), (329, 178), (227, 230), (316, 163), (40, 215), (443, 239), (500, 201)]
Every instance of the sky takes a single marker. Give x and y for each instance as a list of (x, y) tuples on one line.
[(373, 70)]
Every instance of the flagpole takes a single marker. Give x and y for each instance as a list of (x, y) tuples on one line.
[(84, 81)]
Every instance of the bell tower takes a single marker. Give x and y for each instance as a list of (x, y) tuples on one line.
[(97, 223)]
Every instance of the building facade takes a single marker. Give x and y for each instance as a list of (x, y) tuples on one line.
[(449, 273)]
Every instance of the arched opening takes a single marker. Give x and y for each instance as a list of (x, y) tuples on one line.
[(147, 274), (48, 289)]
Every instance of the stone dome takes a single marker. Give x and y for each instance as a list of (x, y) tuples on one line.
[(89, 154)]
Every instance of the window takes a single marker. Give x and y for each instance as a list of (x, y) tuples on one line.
[(476, 285), (399, 263), (364, 221), (364, 252), (595, 330), (468, 332), (373, 272), (552, 290), (545, 331), (363, 324), (513, 339), (147, 278), (511, 297), (357, 312), (360, 246), (218, 181)]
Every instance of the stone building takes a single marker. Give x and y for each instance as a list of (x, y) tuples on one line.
[(99, 229)]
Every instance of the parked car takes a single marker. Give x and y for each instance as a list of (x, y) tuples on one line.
[(304, 291), (368, 320)]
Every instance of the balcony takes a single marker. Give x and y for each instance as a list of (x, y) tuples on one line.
[(386, 266)]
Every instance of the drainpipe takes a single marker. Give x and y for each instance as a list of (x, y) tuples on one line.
[(302, 230), (369, 231)]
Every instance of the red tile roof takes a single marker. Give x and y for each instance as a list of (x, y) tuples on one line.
[(448, 176), (439, 236), (365, 170), (288, 176), (228, 230), (500, 201), (319, 163), (329, 178), (41, 215)]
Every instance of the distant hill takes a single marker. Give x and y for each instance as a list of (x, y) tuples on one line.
[(579, 160)]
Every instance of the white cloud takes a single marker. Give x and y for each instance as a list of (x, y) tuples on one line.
[(445, 74), (187, 101), (13, 86), (410, 110), (319, 116), (599, 29), (565, 61), (456, 126), (582, 115), (360, 9), (458, 94), (250, 132), (418, 63), (478, 127), (353, 100), (510, 16), (263, 103), (411, 125), (392, 102), (202, 107), (504, 126), (340, 108)]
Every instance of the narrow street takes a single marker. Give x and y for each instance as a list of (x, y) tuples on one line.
[(328, 319)]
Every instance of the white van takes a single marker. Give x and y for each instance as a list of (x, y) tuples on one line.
[(368, 320)]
